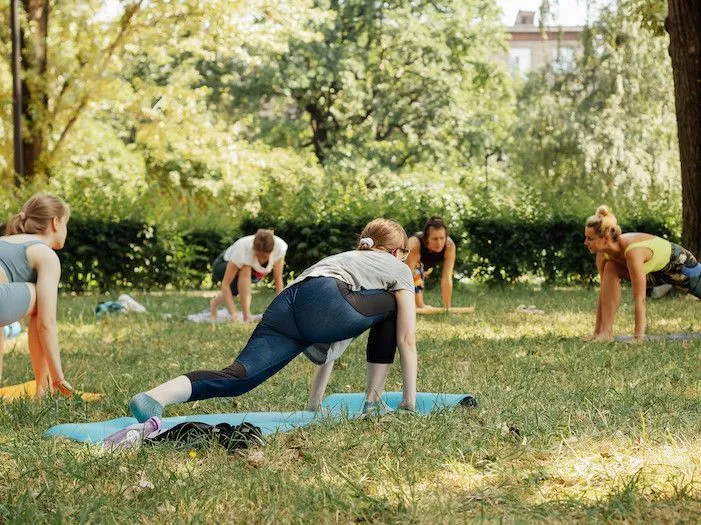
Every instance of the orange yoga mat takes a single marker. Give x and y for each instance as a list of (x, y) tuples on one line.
[(431, 310), (29, 389)]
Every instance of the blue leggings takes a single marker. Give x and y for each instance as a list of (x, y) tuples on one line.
[(317, 310)]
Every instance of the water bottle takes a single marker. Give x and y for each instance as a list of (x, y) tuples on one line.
[(12, 330), (133, 435)]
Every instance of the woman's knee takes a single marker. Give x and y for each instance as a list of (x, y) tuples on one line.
[(235, 370), (614, 272), (32, 310)]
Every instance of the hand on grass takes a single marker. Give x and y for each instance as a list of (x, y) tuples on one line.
[(599, 338)]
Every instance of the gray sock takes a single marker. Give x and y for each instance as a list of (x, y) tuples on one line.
[(142, 406)]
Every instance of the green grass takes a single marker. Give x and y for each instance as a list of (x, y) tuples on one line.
[(565, 431)]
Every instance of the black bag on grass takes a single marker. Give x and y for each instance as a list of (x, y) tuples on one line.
[(200, 435)]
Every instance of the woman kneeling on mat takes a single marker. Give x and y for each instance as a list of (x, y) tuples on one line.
[(336, 299), (643, 259), (248, 261), (29, 275)]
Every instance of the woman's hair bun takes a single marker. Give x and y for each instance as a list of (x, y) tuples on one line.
[(603, 211)]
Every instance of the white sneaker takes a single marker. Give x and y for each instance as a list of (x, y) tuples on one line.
[(660, 291), (131, 304)]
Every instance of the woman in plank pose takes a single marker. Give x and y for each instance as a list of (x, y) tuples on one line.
[(643, 259), (29, 275), (427, 249), (248, 261)]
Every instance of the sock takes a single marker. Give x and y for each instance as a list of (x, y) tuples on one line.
[(143, 406)]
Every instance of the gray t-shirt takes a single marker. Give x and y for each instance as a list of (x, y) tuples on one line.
[(363, 270)]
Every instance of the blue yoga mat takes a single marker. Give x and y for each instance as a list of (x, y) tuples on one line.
[(335, 406)]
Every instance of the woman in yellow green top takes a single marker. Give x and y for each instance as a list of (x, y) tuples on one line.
[(643, 259)]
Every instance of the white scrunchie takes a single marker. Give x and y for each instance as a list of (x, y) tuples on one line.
[(367, 241)]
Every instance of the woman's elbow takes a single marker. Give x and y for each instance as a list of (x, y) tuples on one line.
[(46, 323), (407, 341)]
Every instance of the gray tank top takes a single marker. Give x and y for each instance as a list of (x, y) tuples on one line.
[(13, 259)]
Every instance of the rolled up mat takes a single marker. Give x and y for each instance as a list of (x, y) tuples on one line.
[(29, 389), (433, 310)]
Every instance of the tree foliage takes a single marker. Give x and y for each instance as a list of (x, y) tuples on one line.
[(604, 130), (398, 83), (204, 113)]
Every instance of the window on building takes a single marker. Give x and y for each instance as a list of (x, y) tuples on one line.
[(519, 60), (564, 59)]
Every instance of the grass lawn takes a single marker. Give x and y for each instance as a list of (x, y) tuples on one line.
[(565, 430)]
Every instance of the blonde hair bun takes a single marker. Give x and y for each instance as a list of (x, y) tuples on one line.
[(603, 211), (604, 222)]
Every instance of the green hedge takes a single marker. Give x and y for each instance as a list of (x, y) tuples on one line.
[(106, 255), (503, 250)]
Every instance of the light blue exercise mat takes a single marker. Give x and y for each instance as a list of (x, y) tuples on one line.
[(336, 406)]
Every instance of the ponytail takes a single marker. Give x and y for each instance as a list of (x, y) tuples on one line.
[(383, 233), (36, 215)]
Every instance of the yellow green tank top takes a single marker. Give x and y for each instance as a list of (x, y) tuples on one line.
[(661, 252)]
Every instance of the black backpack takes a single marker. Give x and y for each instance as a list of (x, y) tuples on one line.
[(200, 435)]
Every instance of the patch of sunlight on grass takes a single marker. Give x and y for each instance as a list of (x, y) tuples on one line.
[(462, 477), (586, 475), (693, 392), (678, 324), (512, 326), (17, 344)]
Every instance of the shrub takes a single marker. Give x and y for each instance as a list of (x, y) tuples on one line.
[(103, 255)]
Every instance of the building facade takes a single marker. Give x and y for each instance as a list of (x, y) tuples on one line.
[(532, 47)]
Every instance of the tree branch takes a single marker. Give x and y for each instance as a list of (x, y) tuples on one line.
[(124, 23)]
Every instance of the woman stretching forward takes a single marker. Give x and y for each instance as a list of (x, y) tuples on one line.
[(643, 259), (338, 298), (29, 275)]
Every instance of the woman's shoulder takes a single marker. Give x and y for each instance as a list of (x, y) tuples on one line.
[(20, 238), (242, 242), (629, 238), (413, 242), (41, 255)]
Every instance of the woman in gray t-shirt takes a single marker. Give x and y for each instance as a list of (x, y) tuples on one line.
[(335, 300)]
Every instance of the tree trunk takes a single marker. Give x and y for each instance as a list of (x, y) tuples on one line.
[(684, 27), (34, 96), (320, 132)]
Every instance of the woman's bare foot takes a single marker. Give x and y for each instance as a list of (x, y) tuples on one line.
[(64, 388), (603, 338)]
